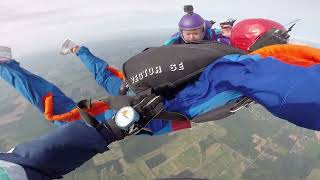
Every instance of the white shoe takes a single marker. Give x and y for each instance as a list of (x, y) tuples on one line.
[(5, 53), (66, 47)]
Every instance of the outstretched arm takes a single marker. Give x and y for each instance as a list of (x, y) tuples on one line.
[(106, 76), (35, 89)]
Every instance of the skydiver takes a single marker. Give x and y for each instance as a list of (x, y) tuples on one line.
[(284, 104), (274, 74), (226, 28), (190, 107), (193, 28), (204, 96), (59, 108)]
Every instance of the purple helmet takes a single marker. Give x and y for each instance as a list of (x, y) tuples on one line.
[(191, 20)]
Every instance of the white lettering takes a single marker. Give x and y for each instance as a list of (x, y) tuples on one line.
[(132, 79), (146, 72), (181, 67), (151, 72), (173, 67), (136, 78), (158, 70), (141, 76)]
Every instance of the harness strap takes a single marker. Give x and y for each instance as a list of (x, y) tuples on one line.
[(92, 121), (224, 111)]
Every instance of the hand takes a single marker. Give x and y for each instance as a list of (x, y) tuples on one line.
[(75, 49), (226, 30), (68, 47)]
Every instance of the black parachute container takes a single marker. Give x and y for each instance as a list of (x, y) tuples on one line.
[(159, 72), (166, 69)]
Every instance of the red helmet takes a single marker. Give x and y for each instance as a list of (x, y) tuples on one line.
[(252, 34)]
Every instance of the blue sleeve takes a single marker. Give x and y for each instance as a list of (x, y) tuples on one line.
[(217, 31), (289, 92), (201, 96), (61, 151), (172, 40), (195, 100), (98, 68)]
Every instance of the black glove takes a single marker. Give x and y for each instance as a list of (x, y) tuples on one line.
[(228, 22)]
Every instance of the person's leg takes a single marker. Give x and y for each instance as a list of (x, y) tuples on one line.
[(36, 89), (62, 150)]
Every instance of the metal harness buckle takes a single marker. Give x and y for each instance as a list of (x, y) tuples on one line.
[(243, 102)]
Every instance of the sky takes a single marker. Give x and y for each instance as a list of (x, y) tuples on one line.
[(31, 26)]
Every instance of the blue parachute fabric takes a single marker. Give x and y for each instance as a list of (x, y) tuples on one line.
[(289, 92)]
